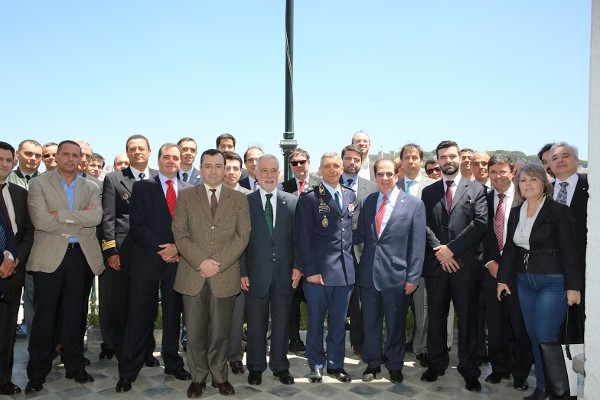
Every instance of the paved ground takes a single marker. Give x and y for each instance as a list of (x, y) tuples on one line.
[(154, 384)]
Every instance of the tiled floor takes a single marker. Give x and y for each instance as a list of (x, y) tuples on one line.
[(154, 384)]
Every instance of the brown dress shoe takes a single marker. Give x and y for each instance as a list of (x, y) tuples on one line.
[(195, 390), (10, 389), (237, 367), (225, 388)]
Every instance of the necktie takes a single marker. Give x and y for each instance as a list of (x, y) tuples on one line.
[(171, 197), (562, 193), (142, 176), (2, 239), (499, 221), (185, 176), (256, 186), (337, 200), (28, 177), (349, 182), (449, 196), (409, 185), (4, 208), (213, 202), (269, 213), (302, 187), (380, 214)]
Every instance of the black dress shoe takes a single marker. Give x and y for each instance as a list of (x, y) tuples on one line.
[(179, 373), (496, 377), (284, 377), (538, 394), (87, 361), (339, 374), (472, 384), (124, 385), (237, 367), (33, 387), (195, 390), (422, 359), (10, 389), (225, 388), (358, 350), (255, 378), (297, 347), (370, 373), (521, 384), (106, 354), (315, 375), (80, 376), (431, 375), (396, 376), (152, 361)]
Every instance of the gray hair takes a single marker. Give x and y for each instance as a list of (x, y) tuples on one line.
[(266, 157), (567, 146), (330, 154)]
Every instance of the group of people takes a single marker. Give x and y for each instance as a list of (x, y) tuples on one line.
[(223, 247)]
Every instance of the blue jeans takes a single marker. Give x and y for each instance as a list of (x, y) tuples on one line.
[(544, 306)]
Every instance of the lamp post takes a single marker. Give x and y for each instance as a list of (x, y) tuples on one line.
[(288, 144)]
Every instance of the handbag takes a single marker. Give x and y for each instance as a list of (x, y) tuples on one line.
[(557, 358)]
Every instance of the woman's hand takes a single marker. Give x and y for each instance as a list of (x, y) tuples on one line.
[(501, 288), (573, 297)]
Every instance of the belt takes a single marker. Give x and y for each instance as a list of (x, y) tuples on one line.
[(73, 246)]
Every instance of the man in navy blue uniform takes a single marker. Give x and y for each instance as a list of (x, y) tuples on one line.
[(323, 238)]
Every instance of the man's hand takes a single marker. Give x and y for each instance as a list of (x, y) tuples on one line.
[(450, 265), (316, 279), (492, 268), (114, 262), (244, 283), (90, 207), (296, 276), (55, 213), (209, 268), (443, 253), (7, 269), (410, 288), (169, 252), (573, 297)]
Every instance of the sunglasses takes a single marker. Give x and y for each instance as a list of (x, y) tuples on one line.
[(432, 170), (49, 155), (295, 163)]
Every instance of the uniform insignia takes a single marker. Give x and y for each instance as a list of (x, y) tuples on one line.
[(321, 190), (351, 207), (108, 244), (126, 196), (325, 221)]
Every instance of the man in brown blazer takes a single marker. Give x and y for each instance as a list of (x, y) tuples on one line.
[(65, 210), (211, 227)]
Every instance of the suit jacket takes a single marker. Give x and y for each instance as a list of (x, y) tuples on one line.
[(578, 206), (552, 246), (396, 256), (150, 222), (323, 235), (199, 236), (24, 236), (425, 181), (46, 194), (462, 231), (116, 197), (245, 183), (491, 251), (194, 179), (269, 260), (291, 186)]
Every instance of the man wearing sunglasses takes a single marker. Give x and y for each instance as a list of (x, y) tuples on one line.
[(432, 169), (49, 155), (29, 156)]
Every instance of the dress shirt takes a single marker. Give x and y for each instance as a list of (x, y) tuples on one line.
[(263, 199), (217, 192), (332, 191), (70, 191), (18, 177), (365, 171), (572, 180), (454, 180), (137, 172), (389, 207), (354, 185), (165, 186), (251, 182), (188, 172), (523, 231), (10, 208), (509, 197), (414, 189)]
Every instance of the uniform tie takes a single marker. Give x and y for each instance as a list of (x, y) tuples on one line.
[(337, 200)]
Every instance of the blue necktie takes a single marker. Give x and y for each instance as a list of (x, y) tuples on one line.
[(337, 200)]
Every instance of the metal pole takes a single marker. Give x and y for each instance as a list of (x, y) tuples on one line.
[(288, 144)]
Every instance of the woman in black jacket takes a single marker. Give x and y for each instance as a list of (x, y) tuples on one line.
[(541, 253)]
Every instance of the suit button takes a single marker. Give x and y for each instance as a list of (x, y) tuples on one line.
[(343, 230), (212, 227), (212, 242)]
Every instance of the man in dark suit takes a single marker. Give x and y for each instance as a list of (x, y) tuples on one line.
[(351, 163), (153, 266), (323, 239), (298, 184), (509, 349), (413, 183), (268, 273), (456, 221), (116, 243), (250, 157), (392, 227), (14, 214), (188, 173)]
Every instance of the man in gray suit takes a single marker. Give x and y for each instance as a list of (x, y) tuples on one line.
[(268, 273), (188, 173), (413, 182), (352, 162)]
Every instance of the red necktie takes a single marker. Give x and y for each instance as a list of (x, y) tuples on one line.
[(302, 186), (449, 196), (380, 214), (499, 221), (171, 197)]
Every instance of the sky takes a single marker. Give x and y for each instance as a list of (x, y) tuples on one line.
[(490, 75)]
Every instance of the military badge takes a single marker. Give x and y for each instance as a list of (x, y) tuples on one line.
[(325, 221), (351, 207)]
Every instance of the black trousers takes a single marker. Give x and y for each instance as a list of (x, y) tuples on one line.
[(9, 311)]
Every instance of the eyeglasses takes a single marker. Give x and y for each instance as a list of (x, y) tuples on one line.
[(432, 170), (48, 155), (295, 163), (385, 174)]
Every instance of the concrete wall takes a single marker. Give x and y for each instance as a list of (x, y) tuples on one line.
[(592, 329)]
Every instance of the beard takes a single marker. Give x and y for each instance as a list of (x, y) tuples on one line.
[(450, 168)]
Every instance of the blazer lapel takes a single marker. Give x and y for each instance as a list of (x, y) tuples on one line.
[(542, 215), (281, 212), (400, 201), (222, 205), (461, 189), (58, 187), (256, 202)]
